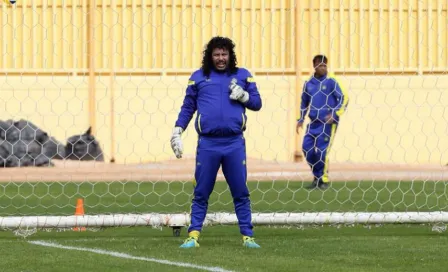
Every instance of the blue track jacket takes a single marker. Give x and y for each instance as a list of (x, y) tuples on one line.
[(217, 114), (322, 96)]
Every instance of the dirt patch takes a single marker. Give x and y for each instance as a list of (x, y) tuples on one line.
[(181, 170)]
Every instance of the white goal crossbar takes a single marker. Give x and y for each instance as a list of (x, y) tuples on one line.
[(181, 220)]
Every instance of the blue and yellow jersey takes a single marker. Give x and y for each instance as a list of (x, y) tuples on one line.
[(217, 114), (321, 97)]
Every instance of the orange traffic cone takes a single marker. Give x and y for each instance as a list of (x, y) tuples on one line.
[(79, 211)]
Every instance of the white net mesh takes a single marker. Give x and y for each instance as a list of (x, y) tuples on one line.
[(121, 68)]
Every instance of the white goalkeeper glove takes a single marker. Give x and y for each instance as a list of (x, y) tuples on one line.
[(176, 142), (238, 93)]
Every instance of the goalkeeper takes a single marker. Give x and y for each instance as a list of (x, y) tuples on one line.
[(326, 100), (220, 92)]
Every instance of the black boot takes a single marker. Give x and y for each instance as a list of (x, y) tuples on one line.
[(323, 185), (318, 183), (314, 184)]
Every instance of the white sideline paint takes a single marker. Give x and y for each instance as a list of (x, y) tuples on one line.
[(127, 256)]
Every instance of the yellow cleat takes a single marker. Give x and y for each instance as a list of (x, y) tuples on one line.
[(249, 242), (190, 242)]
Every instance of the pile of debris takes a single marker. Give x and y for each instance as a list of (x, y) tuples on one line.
[(24, 144)]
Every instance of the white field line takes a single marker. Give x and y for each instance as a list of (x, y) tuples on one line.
[(127, 256)]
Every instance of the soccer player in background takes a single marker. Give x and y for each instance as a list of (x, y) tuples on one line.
[(326, 101), (220, 92)]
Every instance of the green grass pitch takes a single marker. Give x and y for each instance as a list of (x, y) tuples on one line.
[(327, 248)]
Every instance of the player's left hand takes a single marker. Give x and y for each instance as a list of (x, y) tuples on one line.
[(329, 119), (238, 93)]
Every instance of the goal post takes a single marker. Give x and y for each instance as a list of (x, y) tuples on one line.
[(91, 91)]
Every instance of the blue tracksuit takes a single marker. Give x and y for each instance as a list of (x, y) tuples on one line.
[(220, 123), (322, 97)]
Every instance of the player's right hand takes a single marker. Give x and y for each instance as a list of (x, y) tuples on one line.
[(299, 126), (176, 142)]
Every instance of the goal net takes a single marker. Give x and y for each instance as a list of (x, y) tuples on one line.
[(90, 91)]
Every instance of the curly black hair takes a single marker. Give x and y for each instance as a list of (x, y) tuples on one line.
[(221, 43)]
